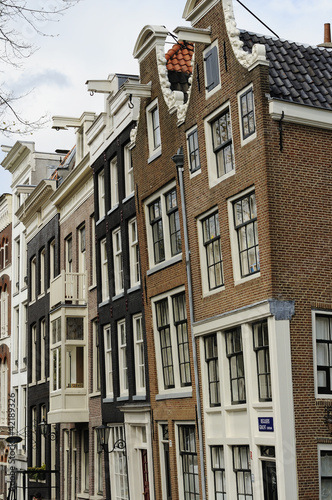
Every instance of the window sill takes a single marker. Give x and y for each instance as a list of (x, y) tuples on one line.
[(213, 409), (195, 174), (213, 292), (41, 295), (253, 276), (113, 209), (154, 156), (118, 296), (263, 405), (129, 197), (104, 303), (108, 400), (99, 221), (236, 407), (165, 264), (95, 394), (134, 288), (174, 395), (139, 397), (214, 181), (92, 287), (123, 398)]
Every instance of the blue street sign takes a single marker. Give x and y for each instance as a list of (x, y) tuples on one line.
[(265, 424)]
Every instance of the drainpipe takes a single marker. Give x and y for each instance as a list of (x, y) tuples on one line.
[(178, 159)]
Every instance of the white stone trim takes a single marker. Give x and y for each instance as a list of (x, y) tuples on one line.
[(300, 114)]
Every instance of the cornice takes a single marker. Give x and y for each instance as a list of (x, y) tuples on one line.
[(300, 114), (77, 177), (40, 195)]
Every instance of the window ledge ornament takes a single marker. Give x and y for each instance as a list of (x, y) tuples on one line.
[(173, 99), (248, 60)]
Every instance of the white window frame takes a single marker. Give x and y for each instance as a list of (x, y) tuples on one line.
[(169, 259), (209, 93), (189, 133), (4, 312), (177, 390), (203, 257), (52, 259), (321, 447), (69, 253), (105, 293), (135, 274), (56, 355), (42, 254), (85, 479), (96, 382), (315, 313), (114, 183), (42, 349), (17, 263), (253, 135), (108, 361), (118, 261), (34, 353), (128, 171), (139, 354), (210, 154), (238, 279), (101, 195), (118, 465), (93, 252), (179, 459), (154, 149), (123, 359), (33, 271), (98, 468), (4, 392)]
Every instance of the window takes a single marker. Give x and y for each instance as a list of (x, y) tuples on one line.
[(34, 354), (193, 151), (93, 251), (42, 271), (56, 354), (101, 195), (222, 143), (134, 253), (118, 466), (139, 354), (42, 349), (69, 254), (189, 463), (245, 224), (4, 311), (218, 469), (325, 469), (33, 279), (114, 182), (269, 472), (118, 262), (17, 264), (24, 334), (261, 347), (85, 460), (129, 171), (172, 341), (43, 417), (323, 329), (211, 359), (52, 259), (211, 69), (247, 115), (16, 340), (105, 294), (98, 483), (219, 145), (153, 127), (108, 361), (74, 366), (212, 265), (164, 235), (241, 466), (123, 364), (96, 358), (4, 392), (165, 462), (234, 352)]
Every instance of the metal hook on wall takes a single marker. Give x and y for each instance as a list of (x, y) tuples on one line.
[(130, 103), (92, 93)]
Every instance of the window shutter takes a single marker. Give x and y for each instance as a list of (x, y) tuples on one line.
[(212, 69)]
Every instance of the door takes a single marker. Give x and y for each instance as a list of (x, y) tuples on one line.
[(270, 480), (145, 471)]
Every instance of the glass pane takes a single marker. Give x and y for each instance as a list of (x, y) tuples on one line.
[(246, 210), (322, 328), (326, 463), (322, 354), (321, 375)]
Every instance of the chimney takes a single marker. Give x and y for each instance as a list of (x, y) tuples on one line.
[(327, 37)]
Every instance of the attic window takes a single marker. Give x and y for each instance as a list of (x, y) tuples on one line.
[(179, 66), (211, 69)]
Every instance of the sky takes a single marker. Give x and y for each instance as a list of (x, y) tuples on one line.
[(97, 37)]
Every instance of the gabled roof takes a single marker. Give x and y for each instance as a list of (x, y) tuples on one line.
[(301, 74)]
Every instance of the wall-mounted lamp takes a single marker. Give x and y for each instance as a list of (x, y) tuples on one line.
[(44, 430), (103, 433)]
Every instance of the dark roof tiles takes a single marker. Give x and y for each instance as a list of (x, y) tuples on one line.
[(298, 73)]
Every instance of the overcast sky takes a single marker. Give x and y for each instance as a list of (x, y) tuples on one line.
[(97, 37)]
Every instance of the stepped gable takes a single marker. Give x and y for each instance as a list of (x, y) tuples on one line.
[(301, 74)]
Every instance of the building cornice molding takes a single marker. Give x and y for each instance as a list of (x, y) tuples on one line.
[(77, 177), (35, 201), (194, 13), (300, 114), (150, 37)]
